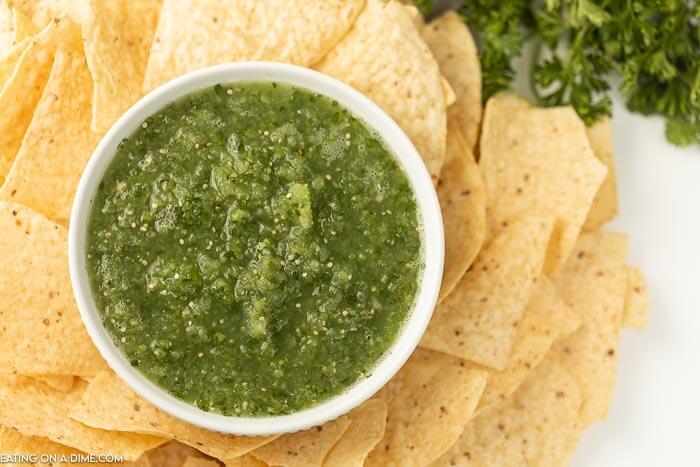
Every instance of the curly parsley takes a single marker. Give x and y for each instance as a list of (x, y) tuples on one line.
[(653, 45)]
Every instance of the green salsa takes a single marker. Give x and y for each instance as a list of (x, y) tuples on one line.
[(254, 249)]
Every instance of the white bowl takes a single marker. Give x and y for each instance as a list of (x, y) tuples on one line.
[(400, 146)]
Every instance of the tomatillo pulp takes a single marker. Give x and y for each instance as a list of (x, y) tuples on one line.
[(254, 249)]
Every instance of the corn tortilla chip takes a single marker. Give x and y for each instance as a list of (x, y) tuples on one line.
[(304, 448), (172, 453), (637, 300), (7, 29), (455, 51), (49, 163), (62, 383), (604, 207), (118, 36), (538, 161), (546, 318), (365, 431), (109, 404), (463, 205), (21, 92), (12, 441), (594, 283), (384, 57), (200, 462), (247, 460), (537, 426), (35, 409), (41, 12), (9, 61), (23, 26), (42, 332), (477, 321), (430, 400), (196, 34)]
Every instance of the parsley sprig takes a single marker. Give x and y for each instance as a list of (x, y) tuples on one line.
[(653, 45)]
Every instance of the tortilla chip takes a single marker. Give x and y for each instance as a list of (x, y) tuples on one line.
[(247, 460), (47, 169), (463, 205), (430, 400), (545, 319), (477, 321), (7, 29), (171, 454), (304, 448), (41, 329), (538, 161), (537, 426), (200, 462), (118, 36), (14, 442), (365, 431), (637, 300), (604, 207), (63, 383), (109, 404), (384, 57), (9, 61), (40, 12), (21, 92), (23, 26), (195, 34), (34, 409), (594, 283), (455, 51)]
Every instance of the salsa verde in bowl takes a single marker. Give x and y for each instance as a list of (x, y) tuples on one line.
[(255, 248)]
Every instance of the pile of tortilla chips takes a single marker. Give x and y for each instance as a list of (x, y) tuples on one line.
[(520, 355)]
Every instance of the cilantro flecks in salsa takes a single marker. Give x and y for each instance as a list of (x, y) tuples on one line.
[(254, 249)]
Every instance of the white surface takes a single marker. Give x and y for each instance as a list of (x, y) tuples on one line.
[(400, 146), (655, 415)]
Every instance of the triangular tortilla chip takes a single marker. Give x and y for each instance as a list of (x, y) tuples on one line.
[(546, 318), (430, 400), (477, 321), (594, 283), (455, 51), (21, 92), (385, 57), (304, 448), (368, 423), (108, 403), (49, 163), (537, 426), (637, 301), (604, 207), (62, 383), (41, 12), (12, 441), (41, 330), (118, 36), (463, 205), (247, 460), (9, 61), (538, 161), (171, 453), (34, 409), (199, 462), (7, 29), (195, 34)]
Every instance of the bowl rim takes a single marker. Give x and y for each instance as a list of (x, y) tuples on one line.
[(404, 152)]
